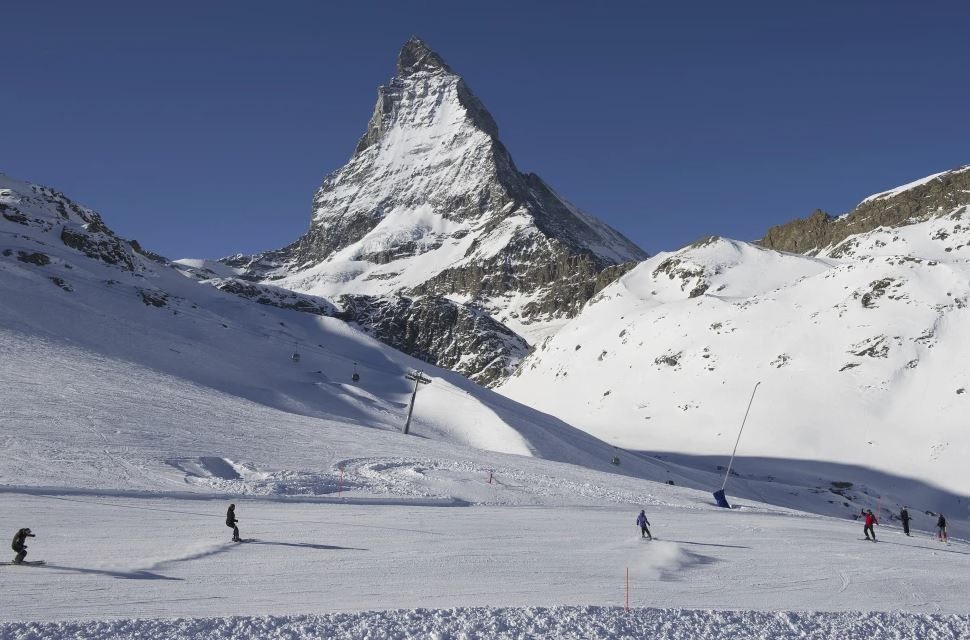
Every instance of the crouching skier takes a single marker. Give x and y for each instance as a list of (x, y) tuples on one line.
[(19, 544), (231, 522), (642, 522), (870, 520)]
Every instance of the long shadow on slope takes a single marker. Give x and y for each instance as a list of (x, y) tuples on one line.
[(124, 575), (918, 546), (307, 545), (827, 488), (709, 544), (205, 553)]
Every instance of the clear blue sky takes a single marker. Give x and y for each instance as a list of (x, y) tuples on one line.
[(202, 128)]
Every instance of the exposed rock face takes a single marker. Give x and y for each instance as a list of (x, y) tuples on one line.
[(77, 227), (275, 296), (431, 204), (916, 202), (441, 332)]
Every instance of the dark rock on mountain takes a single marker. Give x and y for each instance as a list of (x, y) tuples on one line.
[(440, 332), (939, 194), (275, 296)]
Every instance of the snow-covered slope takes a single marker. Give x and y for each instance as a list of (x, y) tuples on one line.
[(431, 204), (861, 349), (136, 402), (75, 297)]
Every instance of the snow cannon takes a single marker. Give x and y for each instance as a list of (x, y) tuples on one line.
[(721, 499)]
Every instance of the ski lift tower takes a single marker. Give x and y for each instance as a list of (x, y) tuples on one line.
[(419, 379)]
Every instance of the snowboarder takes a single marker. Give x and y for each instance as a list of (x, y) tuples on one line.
[(870, 520), (231, 522), (18, 545), (642, 522), (941, 525), (904, 516)]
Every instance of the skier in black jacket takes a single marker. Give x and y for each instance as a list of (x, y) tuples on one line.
[(231, 522), (941, 525), (19, 544), (904, 516)]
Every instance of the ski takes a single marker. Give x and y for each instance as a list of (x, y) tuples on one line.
[(25, 563)]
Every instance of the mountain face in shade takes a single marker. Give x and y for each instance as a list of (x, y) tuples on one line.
[(431, 204)]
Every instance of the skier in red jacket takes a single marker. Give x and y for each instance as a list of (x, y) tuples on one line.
[(870, 520)]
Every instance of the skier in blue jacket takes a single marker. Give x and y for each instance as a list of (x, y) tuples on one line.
[(642, 522)]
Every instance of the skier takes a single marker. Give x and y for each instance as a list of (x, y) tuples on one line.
[(642, 522), (18, 545), (870, 520), (904, 516), (941, 525), (231, 522)]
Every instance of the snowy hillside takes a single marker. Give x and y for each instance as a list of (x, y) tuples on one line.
[(137, 402), (861, 350), (431, 208), (74, 294)]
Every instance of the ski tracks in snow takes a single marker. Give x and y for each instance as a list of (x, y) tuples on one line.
[(846, 581)]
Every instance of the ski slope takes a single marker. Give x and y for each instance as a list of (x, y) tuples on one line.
[(136, 403), (119, 558)]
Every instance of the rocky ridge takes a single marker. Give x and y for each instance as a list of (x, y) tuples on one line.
[(821, 234)]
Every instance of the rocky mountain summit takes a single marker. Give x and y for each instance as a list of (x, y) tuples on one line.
[(821, 234), (432, 209)]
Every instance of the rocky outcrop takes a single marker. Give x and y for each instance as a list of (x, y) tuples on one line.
[(441, 332), (909, 204), (80, 228), (275, 296)]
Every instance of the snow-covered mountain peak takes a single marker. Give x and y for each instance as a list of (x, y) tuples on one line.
[(417, 57), (712, 266), (431, 204)]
